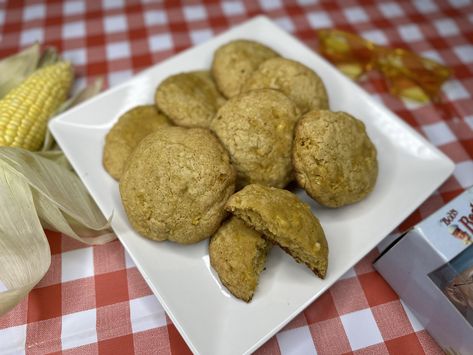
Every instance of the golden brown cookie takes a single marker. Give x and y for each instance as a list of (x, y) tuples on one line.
[(284, 220), (299, 83), (176, 184), (257, 128), (234, 62), (238, 254), (189, 99), (127, 132), (334, 159)]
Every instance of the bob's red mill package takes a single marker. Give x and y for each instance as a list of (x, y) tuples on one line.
[(431, 268)]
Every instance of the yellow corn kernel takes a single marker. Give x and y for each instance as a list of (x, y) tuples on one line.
[(26, 109)]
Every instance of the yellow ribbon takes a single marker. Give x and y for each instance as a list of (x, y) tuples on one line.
[(407, 74)]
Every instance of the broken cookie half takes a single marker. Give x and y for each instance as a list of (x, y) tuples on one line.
[(283, 220), (238, 254)]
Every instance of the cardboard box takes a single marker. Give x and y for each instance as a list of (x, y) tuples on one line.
[(431, 268)]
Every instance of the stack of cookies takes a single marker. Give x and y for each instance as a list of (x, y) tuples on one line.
[(212, 157)]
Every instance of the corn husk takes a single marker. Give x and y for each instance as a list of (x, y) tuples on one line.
[(15, 69), (49, 56), (85, 94), (81, 96), (24, 250), (56, 156), (38, 191)]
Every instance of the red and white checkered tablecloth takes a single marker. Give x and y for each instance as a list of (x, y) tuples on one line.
[(93, 299)]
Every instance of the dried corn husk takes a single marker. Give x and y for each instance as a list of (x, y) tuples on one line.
[(14, 69), (81, 96), (39, 190), (24, 249), (49, 56), (38, 193)]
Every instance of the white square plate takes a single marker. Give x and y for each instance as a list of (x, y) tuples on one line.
[(209, 319)]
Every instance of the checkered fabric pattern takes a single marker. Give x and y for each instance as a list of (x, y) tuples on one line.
[(93, 299)]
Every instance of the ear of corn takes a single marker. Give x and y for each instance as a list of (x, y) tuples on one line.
[(26, 109)]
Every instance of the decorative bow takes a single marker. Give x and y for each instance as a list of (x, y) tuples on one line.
[(407, 74)]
